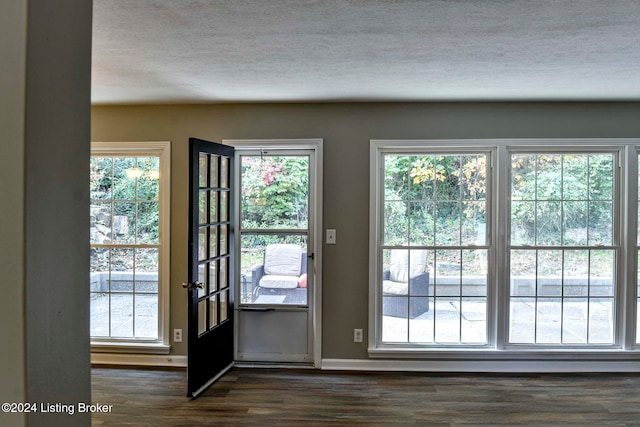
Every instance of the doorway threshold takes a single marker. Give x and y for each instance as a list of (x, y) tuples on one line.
[(272, 365)]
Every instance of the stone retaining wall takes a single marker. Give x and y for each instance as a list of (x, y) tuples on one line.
[(123, 281)]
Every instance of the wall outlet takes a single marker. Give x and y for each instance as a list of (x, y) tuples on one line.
[(357, 335), (331, 236), (177, 335)]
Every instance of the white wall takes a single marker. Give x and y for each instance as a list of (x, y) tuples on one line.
[(44, 165), (13, 34)]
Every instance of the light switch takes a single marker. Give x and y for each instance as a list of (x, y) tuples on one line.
[(331, 236)]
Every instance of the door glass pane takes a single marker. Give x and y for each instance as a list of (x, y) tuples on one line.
[(203, 163), (213, 241), (213, 311), (202, 244), (275, 192), (213, 206), (223, 305), (203, 270), (215, 160), (224, 240), (213, 276), (224, 206), (202, 207), (223, 281), (224, 172), (273, 269), (202, 316)]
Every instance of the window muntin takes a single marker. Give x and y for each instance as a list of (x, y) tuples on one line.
[(433, 275), (562, 260)]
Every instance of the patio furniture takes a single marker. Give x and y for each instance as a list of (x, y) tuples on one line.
[(407, 277), (284, 271)]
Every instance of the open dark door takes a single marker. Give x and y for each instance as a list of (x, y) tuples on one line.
[(211, 263)]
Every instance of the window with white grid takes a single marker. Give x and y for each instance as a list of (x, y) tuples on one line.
[(505, 248), (129, 244), (563, 247), (434, 248)]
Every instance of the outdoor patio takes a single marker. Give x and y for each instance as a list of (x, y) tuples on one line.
[(450, 327), (469, 327)]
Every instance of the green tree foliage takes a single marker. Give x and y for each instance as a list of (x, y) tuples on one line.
[(562, 198), (132, 184), (555, 198), (275, 191), (275, 194)]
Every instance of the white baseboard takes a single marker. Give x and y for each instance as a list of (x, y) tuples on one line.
[(469, 366), (482, 366), (138, 360)]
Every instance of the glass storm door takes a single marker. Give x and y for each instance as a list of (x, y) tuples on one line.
[(210, 300), (276, 255)]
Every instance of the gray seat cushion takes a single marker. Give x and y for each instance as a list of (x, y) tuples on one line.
[(282, 260)]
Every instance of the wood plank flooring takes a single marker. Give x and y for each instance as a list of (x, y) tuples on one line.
[(285, 397)]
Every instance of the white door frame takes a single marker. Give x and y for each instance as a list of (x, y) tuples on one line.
[(316, 145)]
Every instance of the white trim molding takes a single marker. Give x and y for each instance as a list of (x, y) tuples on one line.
[(268, 146), (482, 366), (499, 352), (161, 149), (176, 361)]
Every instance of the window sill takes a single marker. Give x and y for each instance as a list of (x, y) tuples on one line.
[(129, 347), (489, 354)]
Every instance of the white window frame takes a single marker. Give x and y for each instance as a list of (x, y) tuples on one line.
[(616, 244), (243, 146), (161, 345), (624, 349), (488, 246)]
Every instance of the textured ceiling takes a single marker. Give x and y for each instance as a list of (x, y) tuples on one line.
[(176, 51)]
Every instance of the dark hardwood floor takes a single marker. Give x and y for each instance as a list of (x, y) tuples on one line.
[(285, 397)]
